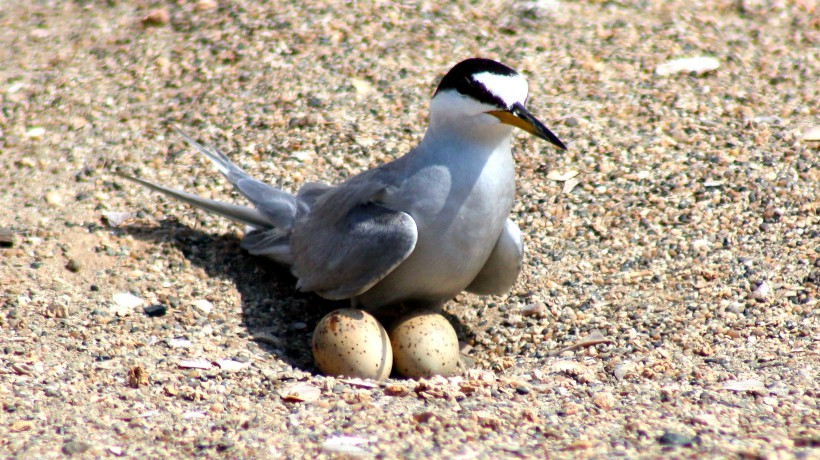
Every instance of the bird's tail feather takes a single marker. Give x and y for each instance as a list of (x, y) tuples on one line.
[(220, 160), (279, 207), (243, 214)]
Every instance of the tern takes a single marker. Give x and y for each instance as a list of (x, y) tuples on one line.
[(412, 233)]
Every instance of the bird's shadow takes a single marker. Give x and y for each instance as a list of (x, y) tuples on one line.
[(274, 313)]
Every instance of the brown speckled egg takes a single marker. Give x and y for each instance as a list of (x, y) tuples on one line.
[(351, 343), (424, 344)]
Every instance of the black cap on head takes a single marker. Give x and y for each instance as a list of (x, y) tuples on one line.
[(460, 78)]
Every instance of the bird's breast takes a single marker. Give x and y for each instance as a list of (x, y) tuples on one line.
[(459, 212)]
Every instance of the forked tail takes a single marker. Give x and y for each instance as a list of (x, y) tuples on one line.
[(270, 220)]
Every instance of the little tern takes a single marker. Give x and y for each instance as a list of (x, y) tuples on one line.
[(412, 233)]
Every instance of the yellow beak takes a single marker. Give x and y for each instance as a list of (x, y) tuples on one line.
[(519, 117)]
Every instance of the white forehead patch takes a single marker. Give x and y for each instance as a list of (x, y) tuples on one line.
[(508, 88)]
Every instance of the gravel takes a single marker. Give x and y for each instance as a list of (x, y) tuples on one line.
[(669, 302)]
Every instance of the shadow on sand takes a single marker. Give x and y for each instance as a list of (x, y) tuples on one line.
[(272, 309)]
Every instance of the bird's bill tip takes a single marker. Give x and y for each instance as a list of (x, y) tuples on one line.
[(521, 118)]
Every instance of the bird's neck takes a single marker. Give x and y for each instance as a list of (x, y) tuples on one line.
[(470, 141)]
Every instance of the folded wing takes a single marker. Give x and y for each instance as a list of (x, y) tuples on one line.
[(342, 259)]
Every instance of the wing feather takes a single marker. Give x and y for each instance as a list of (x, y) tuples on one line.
[(343, 259)]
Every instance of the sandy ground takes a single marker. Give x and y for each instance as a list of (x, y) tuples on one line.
[(669, 302)]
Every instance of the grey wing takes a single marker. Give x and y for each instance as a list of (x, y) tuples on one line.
[(312, 191), (343, 259), (274, 243)]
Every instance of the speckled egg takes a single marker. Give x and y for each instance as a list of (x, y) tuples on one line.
[(424, 344), (352, 343)]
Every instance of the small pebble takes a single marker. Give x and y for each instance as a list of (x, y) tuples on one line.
[(230, 365), (812, 134), (305, 121), (300, 391), (203, 305), (115, 219), (75, 447), (345, 446), (672, 438), (36, 133), (195, 364), (8, 237), (534, 309), (762, 291), (155, 310), (74, 265), (157, 17), (362, 87), (137, 377), (54, 198), (696, 65), (125, 303), (179, 343), (216, 408), (205, 5)]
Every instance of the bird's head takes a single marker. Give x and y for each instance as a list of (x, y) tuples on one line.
[(480, 92)]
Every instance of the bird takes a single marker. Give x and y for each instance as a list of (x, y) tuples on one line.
[(412, 233)]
